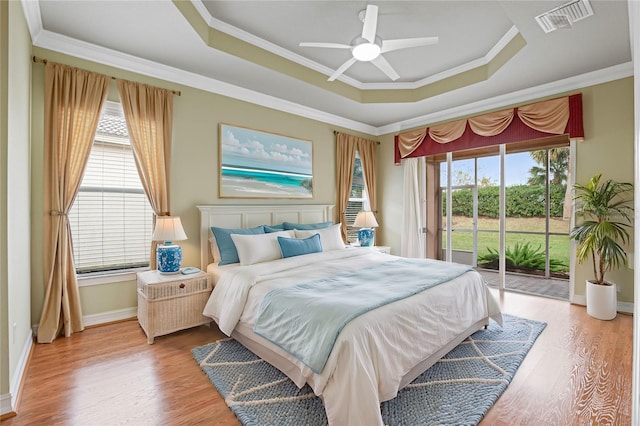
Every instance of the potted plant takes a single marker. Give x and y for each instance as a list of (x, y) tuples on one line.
[(605, 211)]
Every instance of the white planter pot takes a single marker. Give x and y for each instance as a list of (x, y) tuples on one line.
[(602, 301)]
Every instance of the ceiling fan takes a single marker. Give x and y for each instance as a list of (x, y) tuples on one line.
[(368, 47)]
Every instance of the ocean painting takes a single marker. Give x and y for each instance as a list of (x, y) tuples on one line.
[(257, 164)]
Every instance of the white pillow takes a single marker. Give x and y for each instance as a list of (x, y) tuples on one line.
[(330, 238), (258, 248)]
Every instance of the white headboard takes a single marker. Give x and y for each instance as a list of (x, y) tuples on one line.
[(248, 216)]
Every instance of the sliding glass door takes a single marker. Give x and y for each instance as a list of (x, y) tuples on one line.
[(537, 203)]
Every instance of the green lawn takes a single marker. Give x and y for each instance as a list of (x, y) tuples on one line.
[(558, 245)]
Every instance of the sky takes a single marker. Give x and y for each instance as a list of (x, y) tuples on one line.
[(516, 168)]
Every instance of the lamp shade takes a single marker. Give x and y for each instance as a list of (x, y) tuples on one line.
[(365, 220), (168, 228)]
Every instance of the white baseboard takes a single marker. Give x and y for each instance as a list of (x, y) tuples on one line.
[(104, 317), (110, 316), (625, 307), (8, 401), (6, 404)]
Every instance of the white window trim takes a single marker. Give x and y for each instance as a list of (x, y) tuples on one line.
[(112, 277)]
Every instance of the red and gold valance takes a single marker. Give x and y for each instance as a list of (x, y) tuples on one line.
[(538, 120)]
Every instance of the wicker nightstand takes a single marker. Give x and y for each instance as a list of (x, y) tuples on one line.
[(168, 303)]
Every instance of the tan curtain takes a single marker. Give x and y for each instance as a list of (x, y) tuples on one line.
[(73, 101), (149, 114), (409, 141), (367, 149), (345, 157), (492, 123), (447, 132), (548, 116)]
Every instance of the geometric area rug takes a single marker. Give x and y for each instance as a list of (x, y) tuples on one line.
[(457, 390)]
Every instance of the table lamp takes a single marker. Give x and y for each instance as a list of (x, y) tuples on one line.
[(168, 255), (365, 221)]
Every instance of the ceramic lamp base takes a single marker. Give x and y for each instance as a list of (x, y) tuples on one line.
[(169, 258), (365, 237)]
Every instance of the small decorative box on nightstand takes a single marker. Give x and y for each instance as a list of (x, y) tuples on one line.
[(382, 249), (168, 303)]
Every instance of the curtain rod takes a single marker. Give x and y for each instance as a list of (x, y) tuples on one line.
[(335, 132), (38, 60)]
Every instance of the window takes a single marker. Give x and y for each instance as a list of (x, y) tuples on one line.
[(358, 199), (111, 219)]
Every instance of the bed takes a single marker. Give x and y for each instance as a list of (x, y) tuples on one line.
[(375, 351)]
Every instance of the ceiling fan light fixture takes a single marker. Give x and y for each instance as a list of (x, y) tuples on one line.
[(366, 51)]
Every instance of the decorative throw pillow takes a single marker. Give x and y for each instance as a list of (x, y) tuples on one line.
[(319, 225), (226, 247), (331, 237), (259, 248), (295, 247), (273, 228)]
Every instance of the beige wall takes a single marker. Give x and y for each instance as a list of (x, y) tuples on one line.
[(15, 323), (608, 149), (194, 167)]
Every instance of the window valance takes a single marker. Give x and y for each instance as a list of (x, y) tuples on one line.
[(538, 120)]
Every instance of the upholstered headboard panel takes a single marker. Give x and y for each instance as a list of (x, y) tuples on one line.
[(247, 216)]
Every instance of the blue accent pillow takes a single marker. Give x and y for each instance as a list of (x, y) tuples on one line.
[(228, 252), (273, 228), (306, 226), (298, 246)]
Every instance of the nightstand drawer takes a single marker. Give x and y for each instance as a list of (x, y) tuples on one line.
[(154, 285)]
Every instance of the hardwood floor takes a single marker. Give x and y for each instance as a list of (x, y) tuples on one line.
[(577, 373)]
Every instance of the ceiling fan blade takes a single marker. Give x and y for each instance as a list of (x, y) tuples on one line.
[(370, 23), (385, 67), (327, 45), (403, 43), (342, 69)]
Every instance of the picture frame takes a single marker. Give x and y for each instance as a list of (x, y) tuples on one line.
[(260, 164)]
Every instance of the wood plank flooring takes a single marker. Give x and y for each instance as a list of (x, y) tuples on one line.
[(577, 373)]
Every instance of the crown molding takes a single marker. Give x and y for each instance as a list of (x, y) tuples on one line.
[(91, 52), (31, 10), (522, 96)]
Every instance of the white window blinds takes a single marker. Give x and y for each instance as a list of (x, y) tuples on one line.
[(111, 219), (358, 199)]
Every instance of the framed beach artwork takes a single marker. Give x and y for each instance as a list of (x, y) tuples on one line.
[(257, 164)]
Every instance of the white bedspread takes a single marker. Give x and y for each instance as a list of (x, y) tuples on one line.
[(375, 350)]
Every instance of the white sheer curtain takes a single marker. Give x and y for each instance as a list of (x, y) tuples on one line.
[(413, 238)]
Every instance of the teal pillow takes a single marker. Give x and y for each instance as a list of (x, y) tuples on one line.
[(306, 226), (298, 246), (273, 228), (228, 252)]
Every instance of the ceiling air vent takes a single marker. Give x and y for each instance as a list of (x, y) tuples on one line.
[(563, 17)]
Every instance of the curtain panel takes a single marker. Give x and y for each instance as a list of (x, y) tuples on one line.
[(412, 242), (533, 121), (149, 114), (345, 158), (346, 146), (73, 101)]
